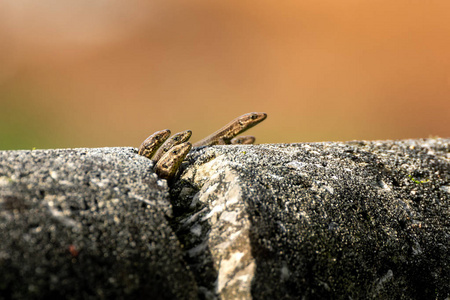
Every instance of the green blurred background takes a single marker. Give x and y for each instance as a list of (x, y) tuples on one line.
[(109, 73)]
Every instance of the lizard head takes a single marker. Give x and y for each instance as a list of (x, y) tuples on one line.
[(153, 142), (169, 163), (251, 119)]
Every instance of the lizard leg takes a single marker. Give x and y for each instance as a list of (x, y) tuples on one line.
[(223, 141)]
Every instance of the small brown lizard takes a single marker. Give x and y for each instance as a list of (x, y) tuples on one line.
[(243, 140), (153, 142), (169, 157), (174, 140), (169, 163), (224, 135)]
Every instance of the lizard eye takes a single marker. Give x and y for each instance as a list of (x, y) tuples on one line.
[(254, 117)]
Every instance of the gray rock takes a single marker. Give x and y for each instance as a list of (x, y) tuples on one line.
[(87, 224), (352, 220)]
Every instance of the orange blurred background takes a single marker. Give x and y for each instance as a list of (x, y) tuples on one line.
[(109, 73)]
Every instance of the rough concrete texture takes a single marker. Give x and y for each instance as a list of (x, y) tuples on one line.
[(355, 220), (87, 224)]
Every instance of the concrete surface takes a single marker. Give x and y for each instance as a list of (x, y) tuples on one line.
[(351, 220), (87, 224)]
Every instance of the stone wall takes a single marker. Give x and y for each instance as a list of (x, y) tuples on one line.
[(314, 220)]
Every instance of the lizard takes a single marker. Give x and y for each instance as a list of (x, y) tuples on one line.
[(168, 164), (224, 135), (169, 157), (243, 140), (153, 142), (176, 139)]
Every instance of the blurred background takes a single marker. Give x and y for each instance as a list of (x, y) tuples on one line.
[(109, 73)]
